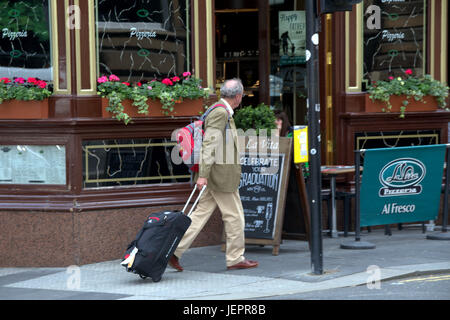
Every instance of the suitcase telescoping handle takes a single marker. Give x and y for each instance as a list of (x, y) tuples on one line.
[(196, 200)]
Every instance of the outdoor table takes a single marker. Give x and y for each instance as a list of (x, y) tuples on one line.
[(333, 172)]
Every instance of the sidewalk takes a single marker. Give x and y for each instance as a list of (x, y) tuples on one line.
[(205, 276)]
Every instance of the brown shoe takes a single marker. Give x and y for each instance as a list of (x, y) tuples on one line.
[(246, 264), (173, 262)]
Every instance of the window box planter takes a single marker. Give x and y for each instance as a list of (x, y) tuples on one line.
[(428, 104), (19, 109), (185, 108)]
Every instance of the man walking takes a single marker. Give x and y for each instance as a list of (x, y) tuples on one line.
[(222, 178)]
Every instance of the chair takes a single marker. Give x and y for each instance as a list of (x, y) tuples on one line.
[(346, 194), (325, 195)]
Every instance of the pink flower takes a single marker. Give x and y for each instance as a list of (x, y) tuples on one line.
[(19, 80), (408, 72), (149, 88), (5, 80), (102, 79), (167, 82), (175, 79), (186, 74), (113, 78), (391, 78)]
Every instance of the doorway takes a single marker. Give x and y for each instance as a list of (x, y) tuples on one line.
[(262, 42)]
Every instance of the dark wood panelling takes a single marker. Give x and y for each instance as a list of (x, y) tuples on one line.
[(62, 53), (264, 51), (437, 25), (71, 132), (202, 39), (84, 45), (352, 79), (351, 123)]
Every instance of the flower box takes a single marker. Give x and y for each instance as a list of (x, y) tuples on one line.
[(19, 109), (183, 109), (429, 104), (392, 94), (169, 97)]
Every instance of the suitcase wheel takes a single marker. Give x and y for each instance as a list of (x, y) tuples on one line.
[(143, 277)]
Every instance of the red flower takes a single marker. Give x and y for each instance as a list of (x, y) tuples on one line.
[(5, 80), (41, 84), (139, 84), (408, 72), (126, 83), (32, 80), (391, 78), (167, 82), (186, 74), (175, 79)]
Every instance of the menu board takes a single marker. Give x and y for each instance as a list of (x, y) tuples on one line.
[(265, 163), (260, 193), (21, 164), (394, 33)]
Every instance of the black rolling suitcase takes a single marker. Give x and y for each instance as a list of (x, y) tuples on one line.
[(148, 254)]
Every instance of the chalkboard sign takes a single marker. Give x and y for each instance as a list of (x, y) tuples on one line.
[(260, 192), (263, 187)]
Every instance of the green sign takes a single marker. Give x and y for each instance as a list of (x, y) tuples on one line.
[(401, 184)]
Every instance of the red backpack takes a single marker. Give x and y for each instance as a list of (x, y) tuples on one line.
[(190, 138)]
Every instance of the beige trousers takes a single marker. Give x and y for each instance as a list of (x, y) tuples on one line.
[(230, 206)]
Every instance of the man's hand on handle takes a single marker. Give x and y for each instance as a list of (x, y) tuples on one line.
[(201, 182)]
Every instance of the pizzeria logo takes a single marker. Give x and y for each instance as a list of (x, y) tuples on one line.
[(401, 177)]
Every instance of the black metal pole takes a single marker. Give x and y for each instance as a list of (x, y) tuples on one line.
[(357, 244), (312, 71), (444, 235), (447, 182), (357, 186)]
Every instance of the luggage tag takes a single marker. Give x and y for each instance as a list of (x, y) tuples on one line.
[(129, 261)]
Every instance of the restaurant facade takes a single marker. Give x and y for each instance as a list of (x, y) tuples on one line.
[(76, 185)]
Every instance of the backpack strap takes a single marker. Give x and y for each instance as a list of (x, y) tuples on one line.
[(207, 112), (203, 117)]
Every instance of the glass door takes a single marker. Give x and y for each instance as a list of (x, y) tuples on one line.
[(288, 63), (237, 47)]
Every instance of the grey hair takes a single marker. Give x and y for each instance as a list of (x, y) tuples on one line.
[(231, 88)]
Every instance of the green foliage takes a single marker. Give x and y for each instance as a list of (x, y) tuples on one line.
[(410, 86), (21, 89), (259, 117), (167, 91)]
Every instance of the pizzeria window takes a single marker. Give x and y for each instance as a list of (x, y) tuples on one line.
[(394, 38)]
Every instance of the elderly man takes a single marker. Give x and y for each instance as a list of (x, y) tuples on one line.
[(222, 177)]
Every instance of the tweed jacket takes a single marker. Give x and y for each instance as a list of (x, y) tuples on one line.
[(219, 157)]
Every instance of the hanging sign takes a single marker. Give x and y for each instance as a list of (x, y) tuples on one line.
[(292, 37)]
